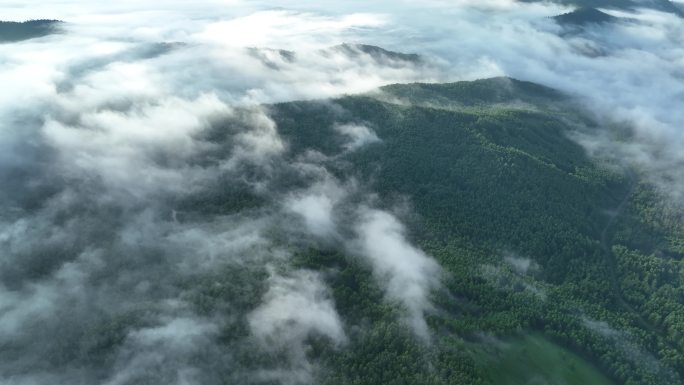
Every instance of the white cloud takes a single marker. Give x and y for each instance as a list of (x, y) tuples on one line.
[(287, 29), (139, 151), (295, 308), (405, 271), (316, 206), (163, 353), (358, 135)]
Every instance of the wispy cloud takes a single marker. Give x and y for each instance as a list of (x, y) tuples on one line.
[(405, 271)]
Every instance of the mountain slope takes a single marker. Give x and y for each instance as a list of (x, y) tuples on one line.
[(514, 211)]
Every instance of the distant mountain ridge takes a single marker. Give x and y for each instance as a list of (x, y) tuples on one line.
[(584, 16), (492, 91), (12, 31), (377, 53), (659, 5), (276, 58)]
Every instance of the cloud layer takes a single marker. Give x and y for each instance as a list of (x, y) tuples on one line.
[(140, 168)]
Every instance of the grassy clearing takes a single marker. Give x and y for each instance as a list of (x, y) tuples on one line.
[(534, 360)]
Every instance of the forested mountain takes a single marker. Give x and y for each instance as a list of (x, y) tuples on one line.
[(557, 267), (11, 31), (545, 249)]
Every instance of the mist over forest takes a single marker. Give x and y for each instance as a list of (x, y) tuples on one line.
[(386, 192)]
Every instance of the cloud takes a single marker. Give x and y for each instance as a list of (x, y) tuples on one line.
[(406, 272), (163, 353), (295, 308), (287, 29), (520, 265), (140, 150), (357, 135), (339, 215), (316, 207)]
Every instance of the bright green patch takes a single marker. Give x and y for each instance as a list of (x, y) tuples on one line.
[(534, 360)]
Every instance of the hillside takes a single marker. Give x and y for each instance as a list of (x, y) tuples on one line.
[(497, 183)]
